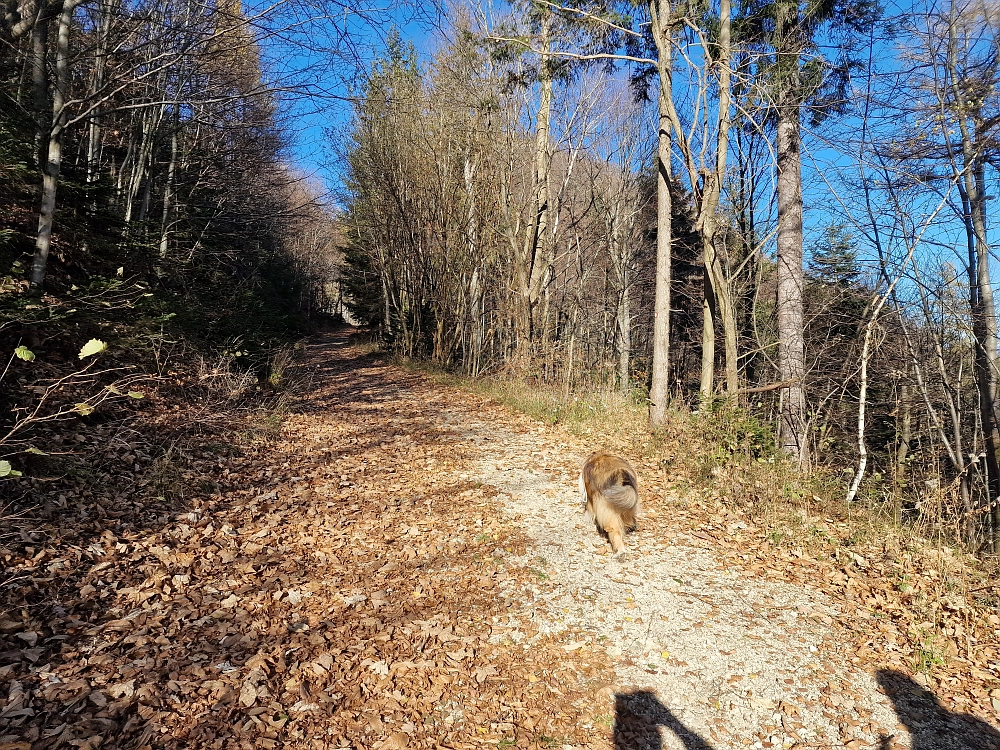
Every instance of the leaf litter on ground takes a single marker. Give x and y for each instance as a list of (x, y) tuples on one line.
[(337, 586)]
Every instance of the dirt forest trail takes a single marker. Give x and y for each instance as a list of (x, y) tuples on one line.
[(699, 655), (408, 566)]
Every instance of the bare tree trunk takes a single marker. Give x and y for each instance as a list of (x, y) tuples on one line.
[(982, 307), (478, 323), (708, 308), (475, 292), (984, 326), (954, 445), (168, 193), (531, 269), (569, 360), (100, 65), (862, 410), (40, 81), (863, 390), (791, 337), (904, 435), (660, 387), (53, 162), (706, 183), (877, 304), (724, 290), (120, 176), (624, 335), (141, 172)]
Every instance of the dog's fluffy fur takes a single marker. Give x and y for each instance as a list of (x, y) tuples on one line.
[(609, 489)]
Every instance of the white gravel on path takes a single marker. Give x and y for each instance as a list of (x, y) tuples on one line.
[(734, 661)]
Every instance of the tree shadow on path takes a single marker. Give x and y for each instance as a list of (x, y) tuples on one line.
[(638, 718), (932, 726)]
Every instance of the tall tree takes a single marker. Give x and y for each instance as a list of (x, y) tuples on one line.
[(642, 35), (704, 149), (659, 392), (955, 96), (789, 46), (536, 251), (53, 143), (801, 77), (971, 79)]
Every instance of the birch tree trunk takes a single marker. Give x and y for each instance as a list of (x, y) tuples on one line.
[(876, 309), (852, 492), (659, 11), (53, 161)]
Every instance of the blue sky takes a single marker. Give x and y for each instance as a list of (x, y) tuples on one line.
[(314, 58)]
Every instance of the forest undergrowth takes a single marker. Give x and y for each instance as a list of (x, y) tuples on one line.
[(120, 400), (911, 596)]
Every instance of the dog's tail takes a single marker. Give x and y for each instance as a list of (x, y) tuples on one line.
[(622, 491)]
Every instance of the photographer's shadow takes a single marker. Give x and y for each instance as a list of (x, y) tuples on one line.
[(931, 725), (638, 718)]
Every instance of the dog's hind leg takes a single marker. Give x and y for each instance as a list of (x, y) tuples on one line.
[(612, 525), (617, 543)]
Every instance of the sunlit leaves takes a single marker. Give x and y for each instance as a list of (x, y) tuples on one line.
[(92, 347)]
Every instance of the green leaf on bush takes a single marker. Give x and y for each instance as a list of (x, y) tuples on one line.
[(84, 408), (23, 352), (92, 347), (136, 394), (7, 471)]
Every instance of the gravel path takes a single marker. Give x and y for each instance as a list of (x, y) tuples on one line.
[(704, 656)]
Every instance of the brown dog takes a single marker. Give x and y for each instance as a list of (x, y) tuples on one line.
[(609, 488)]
